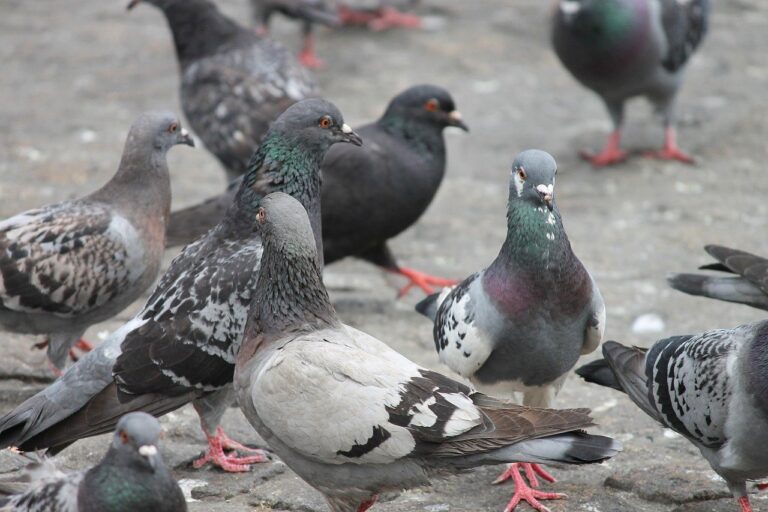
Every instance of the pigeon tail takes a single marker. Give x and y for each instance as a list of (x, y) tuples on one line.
[(628, 365), (728, 289), (428, 306), (599, 372)]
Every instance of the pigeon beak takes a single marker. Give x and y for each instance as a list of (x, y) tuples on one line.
[(186, 138), (347, 135), (546, 193), (132, 4), (455, 119), (149, 452)]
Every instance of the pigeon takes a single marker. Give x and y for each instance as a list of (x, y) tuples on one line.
[(520, 324), (131, 476), (234, 83), (351, 416), (708, 387), (374, 192), (626, 48), (181, 346), (67, 266), (308, 12), (747, 284)]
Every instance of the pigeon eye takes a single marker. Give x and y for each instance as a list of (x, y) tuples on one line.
[(173, 127), (521, 173), (261, 216), (432, 105), (123, 437), (325, 122)]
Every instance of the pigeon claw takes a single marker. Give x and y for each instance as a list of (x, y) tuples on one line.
[(524, 492), (309, 60), (744, 504), (422, 280), (611, 154), (229, 462), (83, 345), (367, 504), (671, 154), (379, 19)]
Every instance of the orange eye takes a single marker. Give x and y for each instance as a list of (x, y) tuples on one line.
[(173, 127), (123, 437), (432, 105), (521, 173), (261, 216), (325, 122)]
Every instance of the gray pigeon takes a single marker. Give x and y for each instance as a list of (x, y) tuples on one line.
[(234, 83), (353, 417), (308, 12), (521, 324), (181, 346), (709, 387), (626, 48), (130, 477), (67, 266), (374, 192), (746, 284)]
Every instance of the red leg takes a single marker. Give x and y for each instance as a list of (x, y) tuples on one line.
[(744, 504), (84, 345), (422, 280), (307, 56), (524, 492), (670, 151), (392, 18), (531, 470), (611, 153), (228, 462), (762, 486), (367, 504)]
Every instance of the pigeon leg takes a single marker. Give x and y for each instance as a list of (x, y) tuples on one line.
[(422, 280), (367, 504), (524, 492), (307, 55), (670, 151), (228, 462), (744, 504), (84, 345), (392, 18), (611, 153), (762, 486)]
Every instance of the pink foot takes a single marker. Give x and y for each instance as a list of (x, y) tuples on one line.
[(610, 155), (422, 280), (744, 504), (762, 486), (524, 492), (367, 504), (228, 462), (670, 151), (307, 57), (392, 18), (83, 345)]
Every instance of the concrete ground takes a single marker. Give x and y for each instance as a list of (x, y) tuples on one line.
[(75, 74)]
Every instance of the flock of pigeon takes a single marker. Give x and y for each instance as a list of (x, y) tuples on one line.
[(242, 312)]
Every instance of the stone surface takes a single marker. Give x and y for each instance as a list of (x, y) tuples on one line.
[(75, 74)]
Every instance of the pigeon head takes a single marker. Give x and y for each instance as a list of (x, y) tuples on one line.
[(285, 226), (136, 438), (533, 178), (313, 124), (429, 104), (159, 130)]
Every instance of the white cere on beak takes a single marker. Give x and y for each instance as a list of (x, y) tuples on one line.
[(569, 7), (546, 190), (345, 128), (454, 115), (148, 450), (184, 132)]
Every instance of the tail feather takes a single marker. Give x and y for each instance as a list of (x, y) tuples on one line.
[(628, 365), (428, 306), (599, 372), (729, 289)]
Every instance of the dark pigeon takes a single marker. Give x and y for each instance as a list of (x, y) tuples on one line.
[(353, 417), (521, 324), (131, 476), (181, 346), (708, 387), (626, 48), (234, 83), (374, 192), (67, 266), (746, 282)]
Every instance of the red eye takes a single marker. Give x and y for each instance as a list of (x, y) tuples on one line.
[(123, 437), (261, 216), (432, 105), (325, 122), (521, 173), (173, 127)]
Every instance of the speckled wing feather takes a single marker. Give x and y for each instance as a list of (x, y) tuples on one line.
[(67, 259), (50, 491), (685, 24), (191, 327), (230, 98)]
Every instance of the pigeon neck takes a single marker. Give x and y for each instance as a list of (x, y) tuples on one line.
[(290, 295), (535, 238), (425, 137), (282, 165), (198, 29)]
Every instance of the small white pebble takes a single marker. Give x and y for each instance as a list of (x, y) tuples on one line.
[(187, 484), (440, 507), (647, 324), (30, 153), (102, 335), (87, 136), (671, 434)]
